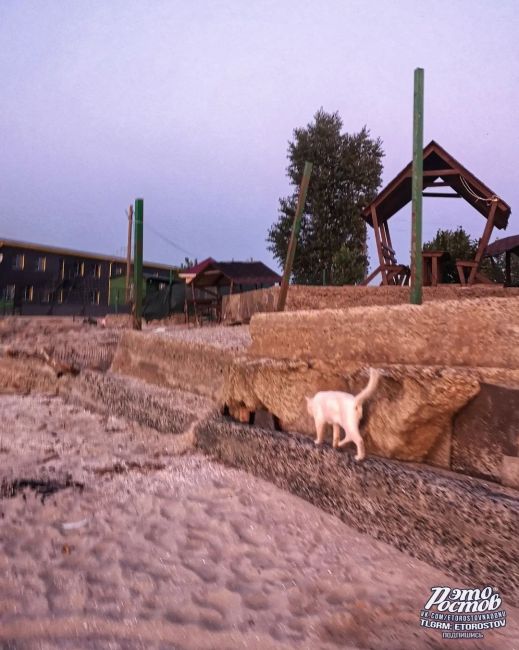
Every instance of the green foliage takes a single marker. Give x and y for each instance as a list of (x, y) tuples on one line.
[(459, 245), (188, 263), (495, 269), (348, 265), (345, 177)]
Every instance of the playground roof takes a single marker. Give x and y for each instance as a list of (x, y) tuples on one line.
[(505, 245), (440, 169)]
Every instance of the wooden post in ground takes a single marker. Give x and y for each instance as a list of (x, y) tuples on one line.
[(417, 188), (137, 265), (295, 234), (129, 252)]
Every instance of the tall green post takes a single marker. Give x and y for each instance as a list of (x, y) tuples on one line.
[(295, 234), (137, 264), (417, 188)]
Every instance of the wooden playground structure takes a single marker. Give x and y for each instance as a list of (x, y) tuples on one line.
[(208, 281), (441, 170)]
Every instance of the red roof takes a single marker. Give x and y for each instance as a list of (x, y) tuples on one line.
[(211, 272), (201, 266)]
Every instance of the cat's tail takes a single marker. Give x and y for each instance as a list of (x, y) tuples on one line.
[(367, 392)]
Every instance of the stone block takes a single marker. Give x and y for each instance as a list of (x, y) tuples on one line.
[(240, 307), (510, 471), (475, 333), (409, 417), (173, 363), (460, 525), (486, 430)]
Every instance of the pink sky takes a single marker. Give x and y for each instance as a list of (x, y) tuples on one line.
[(191, 105)]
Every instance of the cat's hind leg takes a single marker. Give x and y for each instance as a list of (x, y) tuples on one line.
[(320, 427), (353, 435), (358, 440), (336, 435), (361, 450)]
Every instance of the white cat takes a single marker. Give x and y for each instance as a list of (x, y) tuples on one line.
[(341, 410)]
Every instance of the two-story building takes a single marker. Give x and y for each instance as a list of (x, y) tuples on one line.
[(38, 279)]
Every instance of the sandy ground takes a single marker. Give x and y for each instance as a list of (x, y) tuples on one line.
[(65, 339), (170, 550), (221, 336)]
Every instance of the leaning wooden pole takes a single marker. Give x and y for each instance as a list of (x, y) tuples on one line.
[(294, 236), (137, 265), (129, 252), (417, 188)]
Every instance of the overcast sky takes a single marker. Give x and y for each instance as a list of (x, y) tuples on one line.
[(190, 105)]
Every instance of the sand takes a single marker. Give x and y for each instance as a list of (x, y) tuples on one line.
[(68, 340), (219, 336), (161, 548)]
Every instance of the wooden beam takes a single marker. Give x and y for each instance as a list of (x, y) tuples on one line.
[(416, 189), (137, 264), (292, 244), (128, 254), (461, 273), (385, 225), (442, 195), (378, 242), (434, 279), (441, 172), (194, 302), (383, 234), (489, 226), (371, 276)]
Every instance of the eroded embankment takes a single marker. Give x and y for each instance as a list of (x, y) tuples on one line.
[(160, 549), (465, 527)]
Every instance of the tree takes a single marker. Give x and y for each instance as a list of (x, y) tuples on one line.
[(460, 246), (345, 177), (495, 268), (188, 263)]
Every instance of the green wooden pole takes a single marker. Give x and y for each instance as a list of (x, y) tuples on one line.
[(295, 234), (137, 264), (417, 188)]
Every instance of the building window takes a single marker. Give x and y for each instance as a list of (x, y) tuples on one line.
[(97, 270), (60, 295), (62, 269), (28, 293), (45, 296), (162, 285), (79, 269), (118, 270), (95, 297), (19, 262), (41, 264), (9, 291)]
